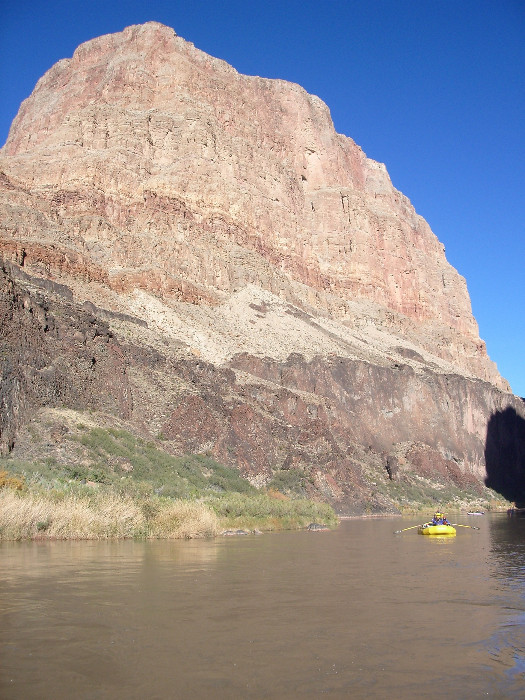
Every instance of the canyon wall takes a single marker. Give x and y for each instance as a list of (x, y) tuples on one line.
[(200, 254)]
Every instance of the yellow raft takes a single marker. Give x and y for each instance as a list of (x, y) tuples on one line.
[(442, 530)]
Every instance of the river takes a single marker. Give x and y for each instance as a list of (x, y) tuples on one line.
[(354, 613)]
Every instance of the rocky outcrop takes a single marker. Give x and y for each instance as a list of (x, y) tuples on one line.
[(199, 254), (53, 354)]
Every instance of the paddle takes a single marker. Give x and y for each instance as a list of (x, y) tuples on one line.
[(472, 527), (396, 532)]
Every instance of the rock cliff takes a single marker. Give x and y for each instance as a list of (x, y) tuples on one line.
[(200, 254)]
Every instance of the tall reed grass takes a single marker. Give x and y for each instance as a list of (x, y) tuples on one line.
[(102, 515)]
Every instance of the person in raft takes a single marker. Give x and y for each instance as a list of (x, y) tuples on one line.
[(439, 519)]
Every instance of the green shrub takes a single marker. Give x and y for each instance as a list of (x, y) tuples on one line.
[(235, 509), (179, 477), (290, 481)]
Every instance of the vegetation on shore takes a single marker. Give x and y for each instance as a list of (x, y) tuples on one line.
[(126, 487)]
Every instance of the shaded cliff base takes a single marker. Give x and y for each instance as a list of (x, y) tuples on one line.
[(505, 455)]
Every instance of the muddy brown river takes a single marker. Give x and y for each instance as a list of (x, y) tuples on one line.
[(354, 613)]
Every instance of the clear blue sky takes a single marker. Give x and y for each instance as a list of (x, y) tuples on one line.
[(435, 89)]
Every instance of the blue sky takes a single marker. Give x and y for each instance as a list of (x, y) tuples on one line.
[(435, 89)]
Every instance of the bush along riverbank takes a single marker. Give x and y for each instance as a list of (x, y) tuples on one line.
[(124, 487)]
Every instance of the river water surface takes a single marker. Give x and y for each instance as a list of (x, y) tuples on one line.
[(354, 613)]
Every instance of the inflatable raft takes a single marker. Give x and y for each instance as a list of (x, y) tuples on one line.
[(442, 530)]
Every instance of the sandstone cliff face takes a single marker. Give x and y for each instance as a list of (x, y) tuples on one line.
[(143, 163), (220, 266)]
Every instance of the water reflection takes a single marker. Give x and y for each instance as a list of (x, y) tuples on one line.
[(506, 646), (37, 558), (354, 613), (508, 548)]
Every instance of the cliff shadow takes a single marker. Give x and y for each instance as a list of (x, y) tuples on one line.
[(505, 455)]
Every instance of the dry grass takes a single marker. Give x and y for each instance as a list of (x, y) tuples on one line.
[(11, 482), (100, 516), (184, 520)]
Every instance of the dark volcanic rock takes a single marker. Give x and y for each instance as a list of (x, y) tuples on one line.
[(54, 354)]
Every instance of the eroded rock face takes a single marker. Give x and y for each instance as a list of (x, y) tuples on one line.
[(143, 163), (201, 255), (337, 419)]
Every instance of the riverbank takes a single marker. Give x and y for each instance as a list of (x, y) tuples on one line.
[(112, 484), (93, 513)]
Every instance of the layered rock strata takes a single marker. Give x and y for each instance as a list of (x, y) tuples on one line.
[(344, 425), (143, 163), (213, 262)]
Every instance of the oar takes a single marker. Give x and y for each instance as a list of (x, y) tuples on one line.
[(472, 527), (396, 532)]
